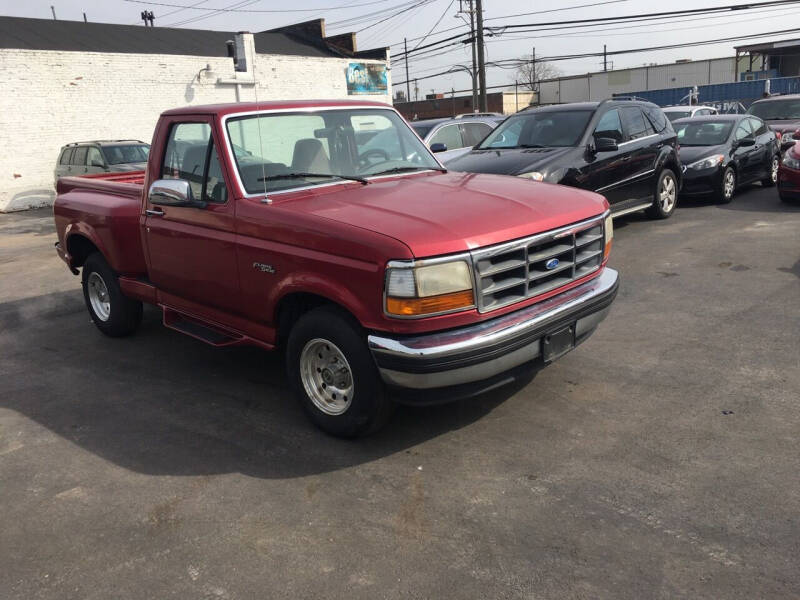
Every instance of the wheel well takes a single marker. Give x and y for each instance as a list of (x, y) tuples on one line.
[(293, 306), (79, 248)]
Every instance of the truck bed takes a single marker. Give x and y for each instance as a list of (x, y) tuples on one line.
[(123, 184), (104, 209)]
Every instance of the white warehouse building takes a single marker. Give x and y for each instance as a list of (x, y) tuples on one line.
[(604, 84), (68, 81)]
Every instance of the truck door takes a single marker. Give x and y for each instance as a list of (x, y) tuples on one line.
[(191, 249)]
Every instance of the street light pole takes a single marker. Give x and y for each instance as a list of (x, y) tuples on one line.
[(408, 81)]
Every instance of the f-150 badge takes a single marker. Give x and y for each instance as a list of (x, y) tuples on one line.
[(264, 268)]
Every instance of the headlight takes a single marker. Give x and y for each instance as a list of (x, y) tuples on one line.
[(791, 161), (535, 175), (708, 162), (609, 236), (420, 289)]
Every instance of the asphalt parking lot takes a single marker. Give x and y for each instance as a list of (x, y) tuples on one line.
[(658, 460)]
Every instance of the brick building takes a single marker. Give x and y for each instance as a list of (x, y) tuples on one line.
[(68, 81), (447, 105)]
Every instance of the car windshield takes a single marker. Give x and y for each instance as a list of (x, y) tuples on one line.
[(279, 151), (776, 110), (121, 154), (700, 133), (539, 130), (676, 114)]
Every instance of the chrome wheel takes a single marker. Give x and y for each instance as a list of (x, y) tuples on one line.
[(774, 170), (98, 296), (326, 376), (667, 194), (729, 184)]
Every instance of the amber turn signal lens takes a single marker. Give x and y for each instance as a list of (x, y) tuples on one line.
[(607, 249), (413, 307)]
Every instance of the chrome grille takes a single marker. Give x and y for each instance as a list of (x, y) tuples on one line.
[(525, 268)]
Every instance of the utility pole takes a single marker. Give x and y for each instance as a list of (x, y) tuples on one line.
[(474, 57), (408, 81), (481, 59), (53, 8), (533, 69), (416, 91), (605, 63), (84, 18)]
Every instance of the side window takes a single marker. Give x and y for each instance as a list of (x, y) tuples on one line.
[(656, 117), (757, 125), (610, 126), (634, 123), (94, 157), (191, 155), (473, 133), (64, 160), (448, 135), (743, 131), (79, 157)]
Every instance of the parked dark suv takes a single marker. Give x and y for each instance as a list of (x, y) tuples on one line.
[(782, 114), (623, 149), (102, 156)]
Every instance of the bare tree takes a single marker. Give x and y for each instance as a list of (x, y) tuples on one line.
[(530, 73)]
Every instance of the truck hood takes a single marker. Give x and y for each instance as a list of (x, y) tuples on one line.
[(509, 161), (442, 213)]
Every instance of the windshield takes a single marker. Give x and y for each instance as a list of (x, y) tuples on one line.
[(699, 133), (776, 110), (117, 155), (539, 130), (279, 151), (676, 114)]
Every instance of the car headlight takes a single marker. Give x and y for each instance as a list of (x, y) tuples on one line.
[(417, 289), (791, 161), (608, 230), (535, 175), (707, 162)]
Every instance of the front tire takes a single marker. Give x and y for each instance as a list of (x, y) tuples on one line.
[(772, 179), (727, 186), (665, 196), (334, 376), (113, 313)]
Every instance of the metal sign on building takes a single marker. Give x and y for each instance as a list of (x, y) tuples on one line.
[(363, 78)]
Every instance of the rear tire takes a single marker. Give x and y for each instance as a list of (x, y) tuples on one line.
[(665, 196), (115, 314), (334, 376), (727, 186), (772, 179)]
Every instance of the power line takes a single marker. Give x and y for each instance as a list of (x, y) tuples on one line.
[(255, 10), (435, 25)]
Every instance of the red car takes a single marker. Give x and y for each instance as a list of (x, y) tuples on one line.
[(373, 269), (789, 174)]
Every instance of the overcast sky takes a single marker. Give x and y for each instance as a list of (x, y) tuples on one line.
[(421, 16)]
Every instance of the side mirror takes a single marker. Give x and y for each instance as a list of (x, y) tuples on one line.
[(604, 144), (173, 192), (744, 142), (97, 163), (796, 135), (438, 147)]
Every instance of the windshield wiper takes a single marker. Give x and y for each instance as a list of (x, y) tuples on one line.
[(529, 146), (406, 170), (306, 175)]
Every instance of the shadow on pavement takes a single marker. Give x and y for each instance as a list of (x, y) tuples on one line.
[(164, 404), (746, 199)]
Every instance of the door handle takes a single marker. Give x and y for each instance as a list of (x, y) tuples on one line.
[(154, 212)]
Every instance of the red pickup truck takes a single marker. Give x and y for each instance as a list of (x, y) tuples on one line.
[(382, 276)]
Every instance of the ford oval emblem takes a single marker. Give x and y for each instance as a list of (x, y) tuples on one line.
[(551, 264)]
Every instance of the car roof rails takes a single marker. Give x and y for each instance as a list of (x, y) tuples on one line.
[(102, 142), (628, 98)]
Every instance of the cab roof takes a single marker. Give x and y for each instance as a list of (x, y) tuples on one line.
[(241, 107)]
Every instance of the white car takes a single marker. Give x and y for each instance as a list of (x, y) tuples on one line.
[(681, 112)]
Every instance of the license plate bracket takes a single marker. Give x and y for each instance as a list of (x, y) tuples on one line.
[(558, 343)]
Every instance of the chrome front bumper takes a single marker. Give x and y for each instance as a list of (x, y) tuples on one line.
[(484, 350)]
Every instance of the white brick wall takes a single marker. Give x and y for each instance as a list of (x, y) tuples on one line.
[(52, 98)]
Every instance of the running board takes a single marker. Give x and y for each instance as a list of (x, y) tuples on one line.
[(210, 334), (632, 209)]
